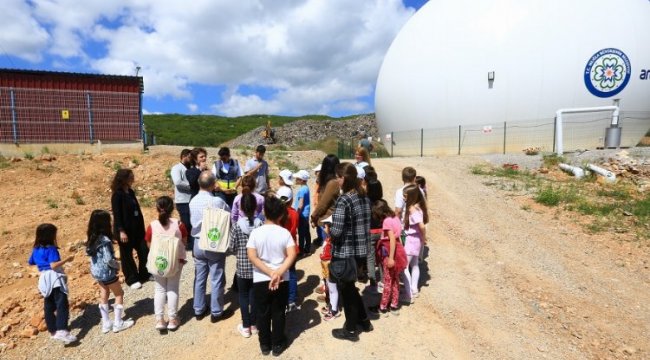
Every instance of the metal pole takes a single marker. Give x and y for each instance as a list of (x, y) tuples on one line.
[(504, 137), (14, 124), (392, 141), (554, 131), (421, 142), (459, 130), (91, 129), (141, 120)]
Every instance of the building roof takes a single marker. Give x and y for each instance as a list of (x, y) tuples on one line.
[(9, 76)]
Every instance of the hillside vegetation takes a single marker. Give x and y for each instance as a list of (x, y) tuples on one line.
[(212, 130)]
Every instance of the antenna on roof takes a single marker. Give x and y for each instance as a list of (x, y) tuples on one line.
[(137, 70)]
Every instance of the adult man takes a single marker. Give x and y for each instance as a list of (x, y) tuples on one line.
[(206, 262), (408, 178), (259, 168), (227, 173), (182, 191)]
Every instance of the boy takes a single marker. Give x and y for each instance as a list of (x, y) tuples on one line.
[(408, 178), (301, 203)]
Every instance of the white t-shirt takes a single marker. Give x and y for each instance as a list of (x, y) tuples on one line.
[(270, 241), (399, 198)]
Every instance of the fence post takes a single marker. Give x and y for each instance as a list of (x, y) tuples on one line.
[(14, 124), (554, 128), (504, 137), (392, 141), (421, 142), (91, 129), (459, 132)]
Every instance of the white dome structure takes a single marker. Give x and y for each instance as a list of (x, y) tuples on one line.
[(468, 70)]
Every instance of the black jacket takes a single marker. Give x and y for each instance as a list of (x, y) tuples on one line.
[(127, 215)]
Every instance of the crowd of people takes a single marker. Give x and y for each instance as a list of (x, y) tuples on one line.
[(360, 239)]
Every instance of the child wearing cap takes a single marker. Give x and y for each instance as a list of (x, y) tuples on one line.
[(301, 203), (290, 222)]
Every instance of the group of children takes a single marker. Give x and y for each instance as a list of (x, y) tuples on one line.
[(266, 245)]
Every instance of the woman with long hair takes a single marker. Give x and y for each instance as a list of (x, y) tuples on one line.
[(350, 233), (128, 228)]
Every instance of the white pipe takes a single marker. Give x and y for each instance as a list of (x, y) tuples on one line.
[(608, 175), (558, 121), (576, 171)]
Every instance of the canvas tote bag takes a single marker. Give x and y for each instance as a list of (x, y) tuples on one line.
[(166, 249), (215, 230)]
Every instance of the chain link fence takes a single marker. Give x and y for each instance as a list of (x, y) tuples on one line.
[(581, 131)]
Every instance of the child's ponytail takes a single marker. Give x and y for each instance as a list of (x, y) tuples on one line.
[(165, 207)]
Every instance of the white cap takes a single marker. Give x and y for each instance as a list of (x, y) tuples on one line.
[(284, 193), (302, 175), (318, 167), (287, 176), (361, 174)]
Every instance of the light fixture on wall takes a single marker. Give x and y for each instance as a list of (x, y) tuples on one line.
[(490, 75)]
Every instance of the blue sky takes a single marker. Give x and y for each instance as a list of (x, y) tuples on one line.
[(216, 56)]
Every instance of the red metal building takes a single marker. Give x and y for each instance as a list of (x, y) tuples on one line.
[(50, 107)]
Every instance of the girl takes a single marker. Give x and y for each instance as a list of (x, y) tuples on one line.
[(52, 282), (166, 288), (422, 183), (247, 182), (391, 255), (104, 267), (415, 219), (129, 228), (361, 157), (239, 234), (271, 250)]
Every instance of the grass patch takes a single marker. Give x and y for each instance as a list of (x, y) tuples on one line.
[(29, 156), (45, 150), (52, 204), (552, 160), (4, 162), (284, 163), (147, 201), (77, 198), (117, 166)]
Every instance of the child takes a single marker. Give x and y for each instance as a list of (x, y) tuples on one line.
[(52, 282), (104, 267), (391, 255), (331, 310), (166, 288), (239, 234), (271, 250), (421, 182), (415, 219), (301, 204), (290, 222)]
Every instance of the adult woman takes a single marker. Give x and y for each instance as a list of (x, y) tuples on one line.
[(328, 190), (128, 227), (350, 233), (198, 163)]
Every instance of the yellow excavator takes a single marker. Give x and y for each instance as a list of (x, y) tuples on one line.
[(268, 134)]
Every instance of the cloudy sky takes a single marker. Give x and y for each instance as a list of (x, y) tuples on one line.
[(225, 57)]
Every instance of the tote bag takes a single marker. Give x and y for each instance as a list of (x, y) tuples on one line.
[(215, 230), (166, 249)]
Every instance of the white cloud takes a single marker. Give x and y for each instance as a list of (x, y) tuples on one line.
[(315, 55), (192, 107), (20, 34)]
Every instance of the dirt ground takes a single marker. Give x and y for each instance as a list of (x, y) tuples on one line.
[(499, 282)]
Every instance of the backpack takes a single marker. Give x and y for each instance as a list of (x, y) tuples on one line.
[(103, 265), (166, 249), (215, 230)]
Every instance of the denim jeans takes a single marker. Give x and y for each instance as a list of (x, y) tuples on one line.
[(56, 310), (304, 235), (184, 212), (293, 284), (212, 264), (247, 302)]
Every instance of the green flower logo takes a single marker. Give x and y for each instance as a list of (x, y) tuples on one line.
[(161, 263), (214, 236), (608, 73)]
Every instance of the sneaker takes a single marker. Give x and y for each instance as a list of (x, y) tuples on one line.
[(292, 307), (226, 313), (384, 312), (64, 336), (373, 310), (173, 324), (107, 327), (407, 300), (394, 310), (266, 349), (325, 309), (414, 295), (123, 326), (254, 330), (161, 325), (380, 287), (331, 315), (366, 326), (245, 332), (321, 298), (136, 285), (320, 290), (343, 334)]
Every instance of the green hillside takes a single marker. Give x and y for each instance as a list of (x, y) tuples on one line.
[(212, 130)]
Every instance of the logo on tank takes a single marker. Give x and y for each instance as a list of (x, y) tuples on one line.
[(607, 72)]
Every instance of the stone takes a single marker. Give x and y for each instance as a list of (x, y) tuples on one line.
[(28, 332), (36, 320), (13, 322), (42, 326), (628, 350)]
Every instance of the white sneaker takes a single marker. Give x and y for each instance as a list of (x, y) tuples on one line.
[(64, 336), (123, 326), (136, 285), (245, 332), (107, 327)]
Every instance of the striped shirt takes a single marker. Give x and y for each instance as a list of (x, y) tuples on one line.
[(350, 229)]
